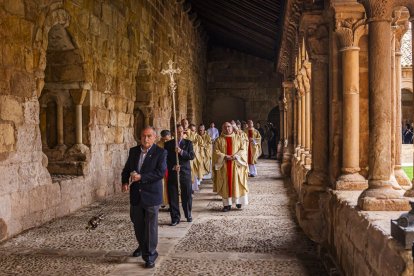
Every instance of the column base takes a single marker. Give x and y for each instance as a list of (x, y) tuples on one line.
[(287, 164), (402, 178), (351, 182), (308, 159), (311, 222), (383, 198)]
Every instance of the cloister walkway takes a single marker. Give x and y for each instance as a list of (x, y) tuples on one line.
[(261, 239)]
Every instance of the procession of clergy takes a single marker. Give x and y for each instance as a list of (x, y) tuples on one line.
[(228, 159)]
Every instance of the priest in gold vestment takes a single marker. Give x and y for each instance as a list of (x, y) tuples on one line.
[(254, 150), (230, 163)]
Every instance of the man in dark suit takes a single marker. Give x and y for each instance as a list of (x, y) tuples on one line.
[(185, 154), (146, 166)]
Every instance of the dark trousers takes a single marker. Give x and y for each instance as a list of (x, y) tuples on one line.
[(145, 220), (186, 196)]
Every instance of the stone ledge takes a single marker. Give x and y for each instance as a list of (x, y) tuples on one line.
[(361, 241)]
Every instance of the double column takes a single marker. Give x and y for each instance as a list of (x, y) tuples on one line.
[(380, 194), (349, 32), (317, 36), (288, 115)]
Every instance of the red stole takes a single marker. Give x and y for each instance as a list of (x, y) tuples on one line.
[(229, 164), (249, 153)]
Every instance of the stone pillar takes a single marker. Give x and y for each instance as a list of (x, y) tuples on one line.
[(287, 155), (306, 84), (400, 175), (294, 120), (60, 133), (380, 194), (79, 150), (78, 113), (410, 193), (349, 32), (311, 194), (299, 123)]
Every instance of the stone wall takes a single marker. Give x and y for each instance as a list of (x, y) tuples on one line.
[(104, 56), (240, 86)]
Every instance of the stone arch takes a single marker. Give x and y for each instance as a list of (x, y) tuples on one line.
[(227, 108), (60, 82), (274, 116)]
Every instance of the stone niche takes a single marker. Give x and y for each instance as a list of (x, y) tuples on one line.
[(63, 73)]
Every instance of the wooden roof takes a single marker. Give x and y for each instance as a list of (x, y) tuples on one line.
[(250, 26)]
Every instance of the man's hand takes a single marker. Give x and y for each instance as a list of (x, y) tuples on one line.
[(178, 150), (125, 187), (136, 177), (176, 168), (251, 139), (228, 157)]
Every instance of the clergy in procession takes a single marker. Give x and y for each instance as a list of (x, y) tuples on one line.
[(230, 163), (185, 155), (255, 149), (197, 164), (206, 149), (165, 136)]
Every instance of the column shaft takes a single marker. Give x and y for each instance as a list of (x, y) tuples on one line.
[(307, 121), (299, 123), (78, 109), (60, 124), (303, 121), (380, 195)]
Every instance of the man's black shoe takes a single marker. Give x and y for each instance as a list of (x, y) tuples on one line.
[(226, 208), (149, 265), (174, 223), (189, 219), (137, 252), (238, 206)]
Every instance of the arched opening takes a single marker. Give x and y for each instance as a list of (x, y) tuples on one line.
[(274, 117), (227, 108), (60, 131)]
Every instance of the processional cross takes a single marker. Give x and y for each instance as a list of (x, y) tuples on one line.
[(173, 86)]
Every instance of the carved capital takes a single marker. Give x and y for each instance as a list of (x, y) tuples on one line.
[(317, 41), (400, 30), (378, 10), (349, 31)]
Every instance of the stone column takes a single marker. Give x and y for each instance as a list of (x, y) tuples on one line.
[(307, 87), (303, 120), (349, 32), (410, 193), (287, 155), (61, 142), (299, 122), (78, 97), (400, 175), (380, 194), (294, 119)]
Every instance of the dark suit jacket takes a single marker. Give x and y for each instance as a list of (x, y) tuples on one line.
[(184, 158), (148, 190)]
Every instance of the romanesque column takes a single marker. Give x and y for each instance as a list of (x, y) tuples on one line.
[(400, 175), (317, 44), (287, 155), (380, 195), (60, 132), (306, 84), (349, 32), (303, 121), (299, 122), (78, 97), (410, 193)]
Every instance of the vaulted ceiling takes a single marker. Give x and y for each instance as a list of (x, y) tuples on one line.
[(250, 26)]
